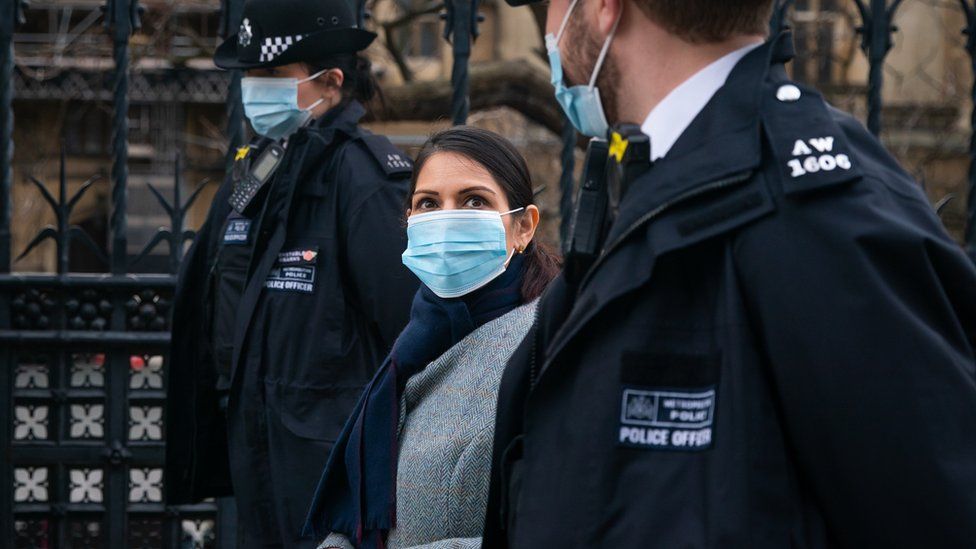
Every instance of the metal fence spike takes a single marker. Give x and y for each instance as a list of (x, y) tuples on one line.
[(46, 233), (82, 190), (193, 195), (77, 233), (55, 207), (162, 235), (159, 197)]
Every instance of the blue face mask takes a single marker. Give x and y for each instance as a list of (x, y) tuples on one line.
[(455, 252), (271, 104), (581, 104)]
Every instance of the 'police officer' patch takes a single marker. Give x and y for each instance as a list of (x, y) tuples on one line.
[(666, 419), (294, 271)]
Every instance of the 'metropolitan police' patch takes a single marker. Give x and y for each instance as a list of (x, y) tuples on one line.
[(294, 271), (666, 419)]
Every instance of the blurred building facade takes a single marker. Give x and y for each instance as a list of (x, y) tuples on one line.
[(63, 98), (927, 87), (63, 95)]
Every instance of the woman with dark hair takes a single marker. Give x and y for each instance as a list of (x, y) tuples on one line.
[(294, 290), (411, 467)]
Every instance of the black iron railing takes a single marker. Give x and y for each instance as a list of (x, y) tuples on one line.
[(970, 31), (876, 30), (83, 357)]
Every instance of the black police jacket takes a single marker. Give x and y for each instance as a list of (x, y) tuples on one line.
[(775, 350), (325, 296)]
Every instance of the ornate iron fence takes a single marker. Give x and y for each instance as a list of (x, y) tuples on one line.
[(83, 357)]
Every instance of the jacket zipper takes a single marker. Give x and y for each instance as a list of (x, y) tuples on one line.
[(719, 184)]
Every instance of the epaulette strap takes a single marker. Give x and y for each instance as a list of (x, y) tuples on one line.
[(393, 161), (811, 150)]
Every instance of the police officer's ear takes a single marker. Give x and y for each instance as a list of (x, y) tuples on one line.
[(607, 14), (525, 225), (332, 78)]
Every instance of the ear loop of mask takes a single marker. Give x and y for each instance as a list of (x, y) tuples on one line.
[(311, 107), (512, 255), (313, 77), (562, 26), (606, 43), (279, 81), (604, 51)]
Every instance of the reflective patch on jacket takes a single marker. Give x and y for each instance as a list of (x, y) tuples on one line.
[(667, 419), (237, 231), (294, 271)]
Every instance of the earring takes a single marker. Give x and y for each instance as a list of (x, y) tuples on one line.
[(520, 249)]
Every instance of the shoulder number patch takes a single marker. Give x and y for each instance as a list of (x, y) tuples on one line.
[(679, 419), (815, 155), (396, 162), (810, 148), (390, 158)]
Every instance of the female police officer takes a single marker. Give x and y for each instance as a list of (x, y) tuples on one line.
[(294, 289)]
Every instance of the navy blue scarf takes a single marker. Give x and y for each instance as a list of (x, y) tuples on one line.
[(356, 495)]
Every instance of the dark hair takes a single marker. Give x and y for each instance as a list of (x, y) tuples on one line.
[(703, 21), (507, 167), (358, 81)]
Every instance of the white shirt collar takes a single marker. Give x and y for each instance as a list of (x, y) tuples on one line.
[(672, 116)]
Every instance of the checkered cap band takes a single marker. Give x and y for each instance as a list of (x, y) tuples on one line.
[(276, 45)]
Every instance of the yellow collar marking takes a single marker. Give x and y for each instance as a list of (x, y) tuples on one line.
[(618, 146)]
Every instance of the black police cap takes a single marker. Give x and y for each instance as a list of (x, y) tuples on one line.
[(279, 32)]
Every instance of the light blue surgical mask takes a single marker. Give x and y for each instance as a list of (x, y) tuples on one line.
[(271, 104), (455, 252), (581, 103)]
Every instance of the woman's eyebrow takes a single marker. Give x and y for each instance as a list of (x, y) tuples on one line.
[(476, 188), (425, 191)]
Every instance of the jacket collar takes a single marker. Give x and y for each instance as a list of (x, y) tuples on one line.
[(721, 148), (343, 118), (673, 114), (721, 143)]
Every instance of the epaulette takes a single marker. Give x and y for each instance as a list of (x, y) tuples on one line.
[(391, 159), (810, 148)]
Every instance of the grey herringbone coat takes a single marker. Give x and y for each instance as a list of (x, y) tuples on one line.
[(447, 421)]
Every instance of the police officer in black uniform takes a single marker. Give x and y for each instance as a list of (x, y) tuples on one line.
[(294, 290), (774, 345)]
